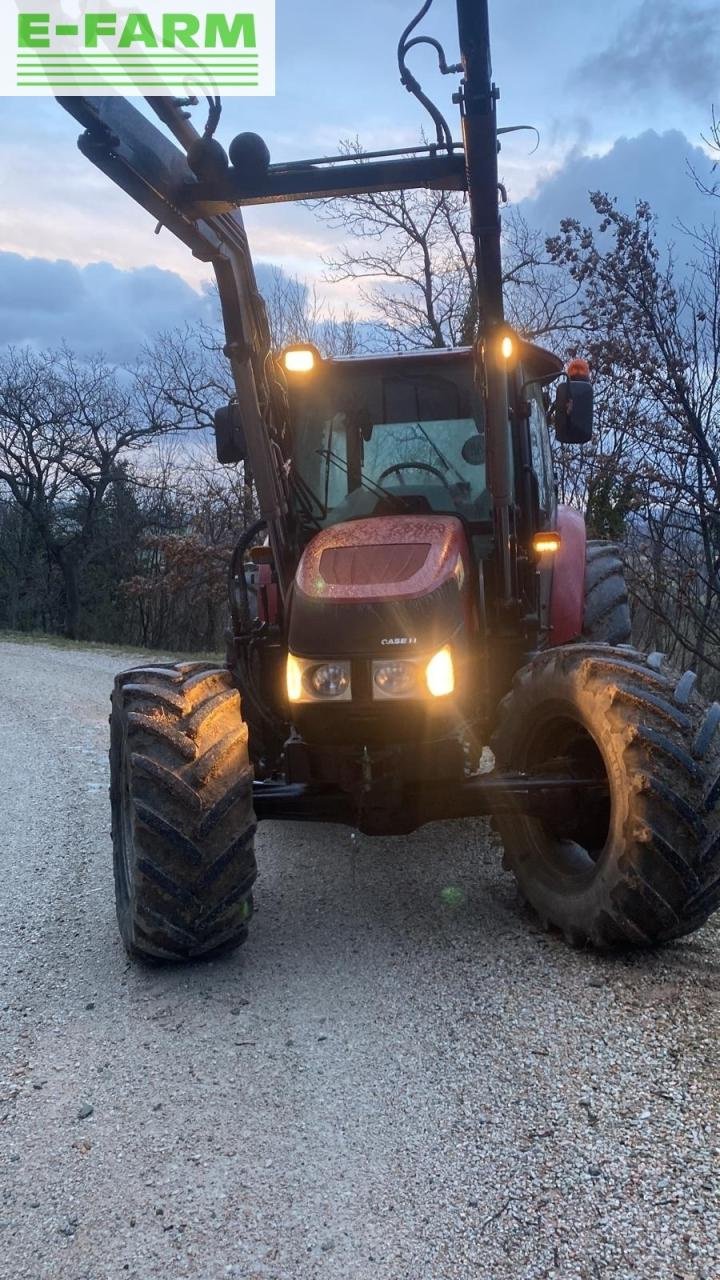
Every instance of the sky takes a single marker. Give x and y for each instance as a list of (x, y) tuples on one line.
[(621, 92)]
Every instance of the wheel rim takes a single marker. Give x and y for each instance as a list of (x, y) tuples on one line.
[(571, 843)]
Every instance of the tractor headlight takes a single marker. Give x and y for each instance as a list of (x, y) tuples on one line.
[(308, 680), (414, 678), (312, 681), (329, 680), (395, 679), (440, 673)]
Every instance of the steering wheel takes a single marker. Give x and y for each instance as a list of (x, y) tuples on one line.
[(413, 466)]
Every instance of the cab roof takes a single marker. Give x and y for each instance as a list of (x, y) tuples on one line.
[(541, 364)]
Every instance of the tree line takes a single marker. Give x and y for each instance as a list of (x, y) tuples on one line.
[(116, 522)]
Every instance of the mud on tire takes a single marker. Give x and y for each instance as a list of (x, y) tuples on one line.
[(644, 867), (182, 818)]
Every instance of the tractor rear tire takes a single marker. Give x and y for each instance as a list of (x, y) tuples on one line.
[(607, 607), (182, 818), (643, 866)]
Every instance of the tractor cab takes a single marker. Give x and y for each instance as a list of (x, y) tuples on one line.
[(386, 436)]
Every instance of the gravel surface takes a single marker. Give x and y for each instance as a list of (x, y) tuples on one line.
[(398, 1077)]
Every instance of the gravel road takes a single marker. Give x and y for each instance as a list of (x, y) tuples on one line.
[(399, 1077)]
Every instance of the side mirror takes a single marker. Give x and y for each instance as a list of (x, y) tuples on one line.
[(573, 413), (230, 443)]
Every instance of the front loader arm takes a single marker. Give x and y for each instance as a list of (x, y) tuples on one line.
[(139, 158)]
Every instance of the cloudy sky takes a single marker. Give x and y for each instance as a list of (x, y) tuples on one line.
[(620, 90)]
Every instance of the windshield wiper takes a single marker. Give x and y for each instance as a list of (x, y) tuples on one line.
[(443, 460), (371, 485)]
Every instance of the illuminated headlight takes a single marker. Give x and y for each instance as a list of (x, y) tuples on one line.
[(309, 681), (395, 679), (294, 679), (414, 678), (440, 674)]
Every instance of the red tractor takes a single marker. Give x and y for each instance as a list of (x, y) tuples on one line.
[(418, 630)]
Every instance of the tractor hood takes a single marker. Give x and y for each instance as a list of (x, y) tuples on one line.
[(371, 588)]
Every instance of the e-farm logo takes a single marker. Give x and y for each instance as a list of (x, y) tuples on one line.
[(95, 48)]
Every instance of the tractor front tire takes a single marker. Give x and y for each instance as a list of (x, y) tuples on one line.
[(606, 617), (642, 866), (182, 818)]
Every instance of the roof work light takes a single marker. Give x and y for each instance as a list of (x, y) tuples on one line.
[(300, 359)]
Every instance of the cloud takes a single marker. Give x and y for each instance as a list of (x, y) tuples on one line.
[(99, 307), (652, 167), (57, 205), (96, 307), (659, 47), (115, 308)]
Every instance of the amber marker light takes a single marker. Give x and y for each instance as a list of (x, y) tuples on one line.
[(546, 544), (293, 679), (299, 359), (507, 347), (260, 555), (440, 673)]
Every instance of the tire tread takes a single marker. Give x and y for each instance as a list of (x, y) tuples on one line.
[(665, 879), (179, 756)]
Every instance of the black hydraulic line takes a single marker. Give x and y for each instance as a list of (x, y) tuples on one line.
[(172, 113), (445, 69), (213, 120), (352, 157), (236, 575), (413, 86)]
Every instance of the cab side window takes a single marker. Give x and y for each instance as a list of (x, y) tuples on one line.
[(541, 451)]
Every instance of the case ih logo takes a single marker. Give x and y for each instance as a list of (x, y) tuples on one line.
[(94, 48)]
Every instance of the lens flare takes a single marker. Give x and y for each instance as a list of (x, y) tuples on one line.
[(294, 679), (440, 674)]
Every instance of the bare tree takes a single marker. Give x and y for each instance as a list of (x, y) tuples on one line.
[(195, 508), (67, 431), (297, 314), (412, 255), (710, 185), (653, 335)]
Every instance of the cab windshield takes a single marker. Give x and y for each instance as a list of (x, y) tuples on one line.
[(369, 442)]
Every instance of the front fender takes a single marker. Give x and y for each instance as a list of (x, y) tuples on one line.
[(567, 596)]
